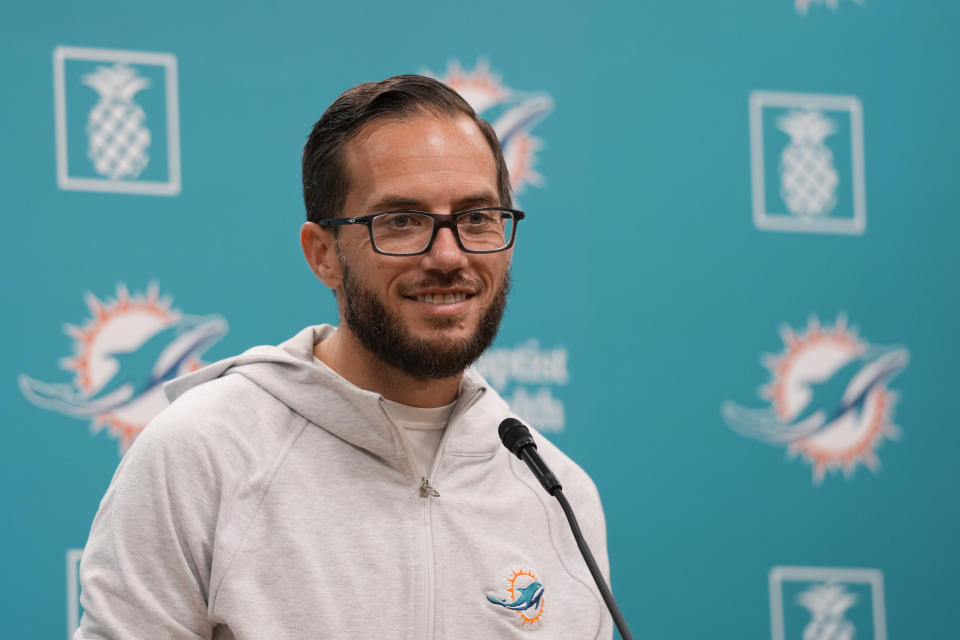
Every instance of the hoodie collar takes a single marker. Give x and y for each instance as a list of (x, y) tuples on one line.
[(289, 373)]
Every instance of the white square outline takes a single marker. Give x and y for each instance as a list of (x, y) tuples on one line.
[(73, 591), (764, 220), (169, 188), (873, 577)]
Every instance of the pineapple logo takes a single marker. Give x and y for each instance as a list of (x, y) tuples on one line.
[(122, 355), (512, 114), (118, 137), (103, 102), (827, 603), (802, 6), (829, 401), (807, 162), (808, 179)]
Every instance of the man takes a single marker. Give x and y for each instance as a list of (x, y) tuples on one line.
[(350, 482)]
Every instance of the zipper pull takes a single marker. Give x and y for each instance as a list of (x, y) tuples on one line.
[(426, 491)]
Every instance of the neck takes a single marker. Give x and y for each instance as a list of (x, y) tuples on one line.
[(343, 353)]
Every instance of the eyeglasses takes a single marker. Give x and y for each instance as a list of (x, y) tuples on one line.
[(411, 233)]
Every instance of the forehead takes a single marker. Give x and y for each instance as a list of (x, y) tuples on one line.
[(425, 159)]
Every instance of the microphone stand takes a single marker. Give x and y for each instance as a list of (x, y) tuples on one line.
[(516, 437), (592, 565)]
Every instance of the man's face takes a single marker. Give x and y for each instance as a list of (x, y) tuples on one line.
[(429, 315)]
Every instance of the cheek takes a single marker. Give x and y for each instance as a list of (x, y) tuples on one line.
[(499, 270), (371, 269), (388, 277)]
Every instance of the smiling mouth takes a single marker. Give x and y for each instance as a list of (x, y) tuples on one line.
[(442, 298)]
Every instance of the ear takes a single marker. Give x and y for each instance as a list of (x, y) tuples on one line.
[(319, 248)]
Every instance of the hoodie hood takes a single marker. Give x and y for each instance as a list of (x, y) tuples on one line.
[(313, 390)]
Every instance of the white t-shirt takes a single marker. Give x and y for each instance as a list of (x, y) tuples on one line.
[(423, 428)]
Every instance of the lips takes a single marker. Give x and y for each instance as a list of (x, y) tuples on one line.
[(442, 298), (442, 291)]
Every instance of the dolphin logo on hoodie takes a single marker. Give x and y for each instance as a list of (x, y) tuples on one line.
[(529, 597)]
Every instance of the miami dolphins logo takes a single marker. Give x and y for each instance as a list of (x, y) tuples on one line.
[(525, 597), (511, 113), (122, 355), (829, 398)]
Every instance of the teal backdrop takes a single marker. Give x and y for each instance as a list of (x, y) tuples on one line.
[(731, 206)]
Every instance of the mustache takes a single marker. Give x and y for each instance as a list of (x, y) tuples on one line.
[(443, 280)]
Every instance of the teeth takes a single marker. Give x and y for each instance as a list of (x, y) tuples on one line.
[(440, 298)]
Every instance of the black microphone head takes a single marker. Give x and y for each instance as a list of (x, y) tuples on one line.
[(514, 435)]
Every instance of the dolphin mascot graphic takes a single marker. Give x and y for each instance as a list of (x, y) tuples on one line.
[(529, 598), (522, 118), (140, 370), (841, 393)]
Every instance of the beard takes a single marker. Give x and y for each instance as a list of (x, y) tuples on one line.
[(382, 332)]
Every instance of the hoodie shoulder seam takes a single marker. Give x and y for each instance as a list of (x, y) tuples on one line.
[(271, 475)]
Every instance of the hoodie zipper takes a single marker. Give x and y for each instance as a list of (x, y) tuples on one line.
[(427, 492)]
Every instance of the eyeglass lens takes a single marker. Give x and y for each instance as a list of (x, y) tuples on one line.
[(402, 233)]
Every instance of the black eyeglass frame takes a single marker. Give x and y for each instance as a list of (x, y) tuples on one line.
[(440, 220)]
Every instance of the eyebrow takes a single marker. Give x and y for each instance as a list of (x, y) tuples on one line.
[(389, 202)]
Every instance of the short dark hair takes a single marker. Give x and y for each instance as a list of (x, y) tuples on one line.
[(325, 178)]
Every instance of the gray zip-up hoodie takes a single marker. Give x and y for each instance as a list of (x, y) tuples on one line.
[(273, 499)]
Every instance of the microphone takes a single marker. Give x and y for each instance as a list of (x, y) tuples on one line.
[(517, 439)]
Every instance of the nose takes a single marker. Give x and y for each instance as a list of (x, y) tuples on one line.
[(445, 254)]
